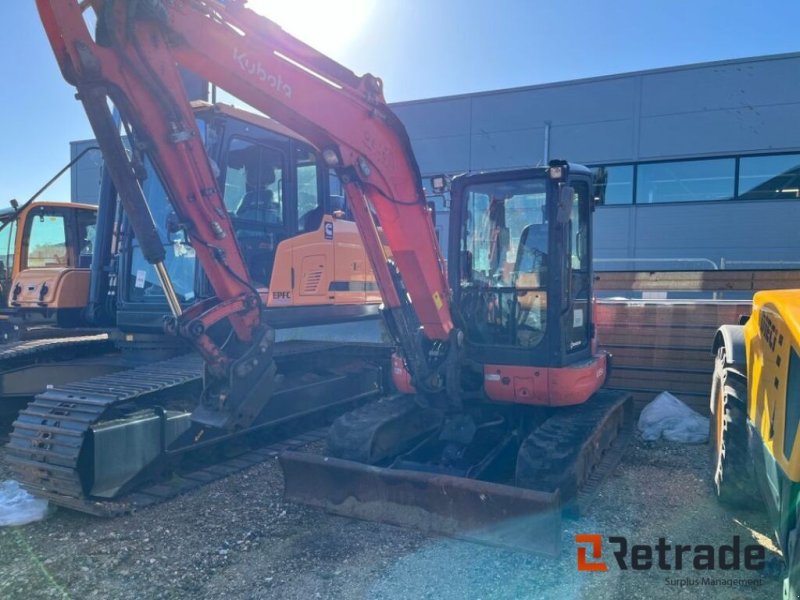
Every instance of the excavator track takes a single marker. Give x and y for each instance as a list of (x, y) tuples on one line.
[(202, 473), (575, 448), (47, 450), (45, 445)]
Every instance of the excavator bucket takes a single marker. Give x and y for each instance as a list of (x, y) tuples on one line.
[(478, 511)]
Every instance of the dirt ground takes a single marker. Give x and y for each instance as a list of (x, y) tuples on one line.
[(236, 539)]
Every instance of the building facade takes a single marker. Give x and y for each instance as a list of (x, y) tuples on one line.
[(699, 165)]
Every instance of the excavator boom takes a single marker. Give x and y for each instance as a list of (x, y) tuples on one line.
[(133, 59)]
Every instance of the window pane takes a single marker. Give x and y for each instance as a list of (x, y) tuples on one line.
[(253, 183), (614, 185), (309, 208), (762, 177), (506, 234), (87, 232), (337, 196), (687, 181), (48, 245), (504, 259), (579, 229), (144, 284), (7, 235)]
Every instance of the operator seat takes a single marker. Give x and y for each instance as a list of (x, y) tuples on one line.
[(530, 271), (313, 219), (259, 205), (531, 262), (258, 245)]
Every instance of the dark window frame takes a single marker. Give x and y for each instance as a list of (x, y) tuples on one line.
[(737, 196)]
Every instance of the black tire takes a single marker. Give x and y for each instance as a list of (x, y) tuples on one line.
[(733, 476)]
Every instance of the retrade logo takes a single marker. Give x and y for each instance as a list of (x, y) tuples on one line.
[(595, 542), (668, 557)]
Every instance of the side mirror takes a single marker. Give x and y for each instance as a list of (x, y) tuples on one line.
[(565, 204), (440, 184)]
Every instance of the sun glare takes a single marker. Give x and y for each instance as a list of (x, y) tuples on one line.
[(326, 26)]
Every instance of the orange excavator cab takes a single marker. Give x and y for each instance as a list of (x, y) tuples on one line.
[(50, 262)]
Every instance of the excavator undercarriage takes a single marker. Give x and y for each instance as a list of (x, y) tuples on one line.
[(92, 445), (506, 483)]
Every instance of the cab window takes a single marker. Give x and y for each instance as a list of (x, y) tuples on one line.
[(7, 238), (47, 243), (338, 198), (309, 207), (254, 183)]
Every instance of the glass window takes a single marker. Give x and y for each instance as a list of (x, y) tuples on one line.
[(47, 245), (506, 231), (7, 238), (180, 257), (579, 232), (254, 183), (504, 262), (614, 185), (337, 196), (87, 231), (686, 181), (309, 208), (765, 177)]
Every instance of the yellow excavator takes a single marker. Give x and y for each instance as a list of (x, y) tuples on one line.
[(755, 413)]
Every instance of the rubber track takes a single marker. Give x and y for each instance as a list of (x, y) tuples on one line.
[(553, 449), (45, 444), (162, 491)]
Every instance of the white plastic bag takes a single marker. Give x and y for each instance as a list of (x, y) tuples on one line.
[(668, 417), (18, 507)]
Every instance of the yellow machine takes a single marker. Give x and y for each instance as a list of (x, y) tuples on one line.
[(755, 413)]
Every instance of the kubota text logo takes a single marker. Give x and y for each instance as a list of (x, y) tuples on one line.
[(668, 557), (256, 69)]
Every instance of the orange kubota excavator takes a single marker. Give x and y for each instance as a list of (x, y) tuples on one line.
[(496, 357)]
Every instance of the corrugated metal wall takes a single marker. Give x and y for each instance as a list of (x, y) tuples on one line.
[(736, 107)]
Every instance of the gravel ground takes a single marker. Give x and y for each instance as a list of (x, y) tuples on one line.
[(237, 539)]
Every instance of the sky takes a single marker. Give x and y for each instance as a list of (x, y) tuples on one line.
[(420, 48)]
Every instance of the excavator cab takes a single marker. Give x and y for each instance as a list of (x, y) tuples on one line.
[(298, 241), (50, 261), (520, 274)]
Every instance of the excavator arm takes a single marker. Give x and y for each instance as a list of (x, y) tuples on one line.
[(133, 58)]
